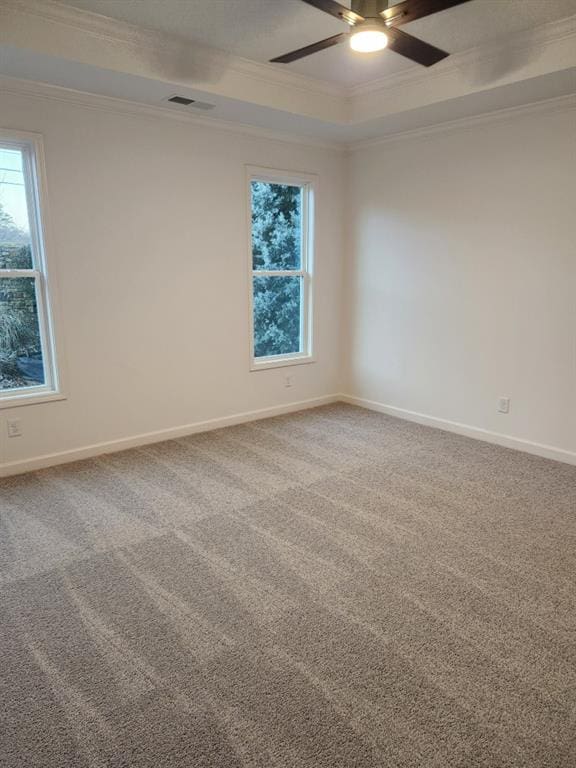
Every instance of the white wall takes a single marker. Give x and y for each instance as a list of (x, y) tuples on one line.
[(148, 217), (463, 276), (460, 281)]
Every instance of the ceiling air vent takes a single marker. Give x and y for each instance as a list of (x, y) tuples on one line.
[(184, 101), (181, 100)]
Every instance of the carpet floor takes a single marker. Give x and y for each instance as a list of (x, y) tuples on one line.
[(329, 589)]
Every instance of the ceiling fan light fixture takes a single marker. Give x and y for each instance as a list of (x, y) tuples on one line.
[(369, 38)]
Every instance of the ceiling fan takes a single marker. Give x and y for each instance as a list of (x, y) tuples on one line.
[(374, 25)]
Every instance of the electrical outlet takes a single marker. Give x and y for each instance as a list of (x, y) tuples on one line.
[(503, 405), (14, 427), (288, 381)]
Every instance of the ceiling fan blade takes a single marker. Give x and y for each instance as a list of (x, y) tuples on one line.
[(308, 49), (335, 9), (413, 48), (410, 10)]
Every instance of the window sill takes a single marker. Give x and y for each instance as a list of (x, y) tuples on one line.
[(280, 362), (33, 398)]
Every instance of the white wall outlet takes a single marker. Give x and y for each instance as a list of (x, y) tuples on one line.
[(503, 405), (14, 427), (288, 381)]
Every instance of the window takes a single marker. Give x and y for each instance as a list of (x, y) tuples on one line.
[(27, 370), (281, 249)]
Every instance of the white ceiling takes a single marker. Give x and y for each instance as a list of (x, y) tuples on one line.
[(507, 53), (262, 29)]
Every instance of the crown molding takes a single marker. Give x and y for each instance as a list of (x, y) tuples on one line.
[(84, 100), (16, 87), (528, 40), (555, 105), (106, 28)]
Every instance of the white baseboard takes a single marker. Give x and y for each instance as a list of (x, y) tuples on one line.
[(516, 443), (97, 449)]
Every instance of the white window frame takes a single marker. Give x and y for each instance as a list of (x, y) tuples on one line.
[(31, 146), (309, 184)]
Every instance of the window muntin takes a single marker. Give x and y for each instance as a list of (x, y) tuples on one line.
[(26, 339), (281, 239)]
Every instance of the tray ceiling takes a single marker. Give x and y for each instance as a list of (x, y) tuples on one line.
[(262, 29)]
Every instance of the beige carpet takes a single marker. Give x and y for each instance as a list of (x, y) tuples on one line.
[(334, 588)]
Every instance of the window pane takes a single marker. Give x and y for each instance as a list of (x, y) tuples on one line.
[(21, 363), (277, 311), (15, 252), (276, 226)]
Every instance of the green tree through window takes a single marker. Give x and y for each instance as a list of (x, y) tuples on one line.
[(278, 275), (26, 360), (19, 331)]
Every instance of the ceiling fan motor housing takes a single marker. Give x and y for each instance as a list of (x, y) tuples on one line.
[(370, 9)]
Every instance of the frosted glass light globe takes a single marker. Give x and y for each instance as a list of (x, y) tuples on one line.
[(369, 40)]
